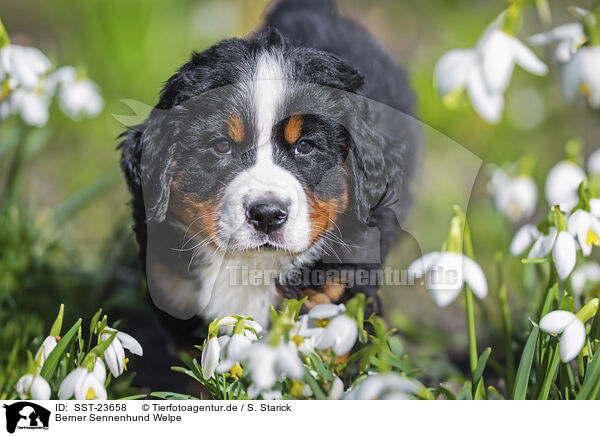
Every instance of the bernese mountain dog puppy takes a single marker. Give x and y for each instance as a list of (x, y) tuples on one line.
[(274, 166)]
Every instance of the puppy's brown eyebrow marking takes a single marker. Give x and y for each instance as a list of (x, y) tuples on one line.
[(293, 129), (235, 128)]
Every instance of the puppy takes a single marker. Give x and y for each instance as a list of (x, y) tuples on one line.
[(274, 166)]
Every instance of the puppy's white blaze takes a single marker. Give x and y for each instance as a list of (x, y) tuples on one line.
[(269, 87)]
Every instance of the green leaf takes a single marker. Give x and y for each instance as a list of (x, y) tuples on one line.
[(550, 373), (522, 378), (465, 392), (314, 385), (134, 397), (483, 358), (172, 396), (396, 345), (95, 319), (55, 355), (494, 394), (99, 349), (187, 372), (57, 326), (480, 391), (318, 366), (448, 395), (592, 378)]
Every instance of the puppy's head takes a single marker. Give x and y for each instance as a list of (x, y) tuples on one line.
[(249, 147)]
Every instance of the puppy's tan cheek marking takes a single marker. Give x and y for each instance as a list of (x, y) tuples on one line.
[(235, 128), (323, 213), (293, 129), (202, 217)]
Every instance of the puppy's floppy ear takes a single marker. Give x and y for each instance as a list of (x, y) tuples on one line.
[(158, 143), (383, 144), (147, 161), (367, 169)]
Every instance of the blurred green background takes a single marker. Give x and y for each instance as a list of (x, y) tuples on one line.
[(130, 47)]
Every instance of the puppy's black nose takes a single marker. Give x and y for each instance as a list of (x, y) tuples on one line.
[(267, 216)]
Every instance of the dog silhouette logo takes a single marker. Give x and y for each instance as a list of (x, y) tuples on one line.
[(26, 415)]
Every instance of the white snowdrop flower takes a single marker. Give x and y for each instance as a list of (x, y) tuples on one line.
[(210, 357), (84, 384), (388, 386), (593, 163), (580, 75), (304, 337), (33, 386), (76, 96), (569, 36), (459, 70), (45, 349), (270, 394), (30, 104), (325, 326), (571, 330), (587, 273), (485, 71), (499, 53), (523, 239), (563, 248), (562, 185), (317, 318), (337, 388), (447, 272), (267, 364), (24, 66), (586, 227), (233, 350), (514, 197), (340, 334), (115, 353), (595, 207)]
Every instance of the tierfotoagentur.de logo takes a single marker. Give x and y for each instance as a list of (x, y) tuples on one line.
[(24, 415)]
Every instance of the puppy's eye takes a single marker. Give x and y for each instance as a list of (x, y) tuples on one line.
[(304, 146), (222, 146)]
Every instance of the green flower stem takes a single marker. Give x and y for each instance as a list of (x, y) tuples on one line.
[(551, 293), (506, 325), (513, 16), (15, 170), (473, 356), (561, 222), (471, 328), (580, 367), (544, 12)]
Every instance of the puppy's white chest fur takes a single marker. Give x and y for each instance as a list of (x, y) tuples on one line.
[(242, 284)]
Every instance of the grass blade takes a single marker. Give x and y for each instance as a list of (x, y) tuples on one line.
[(55, 355), (522, 378)]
